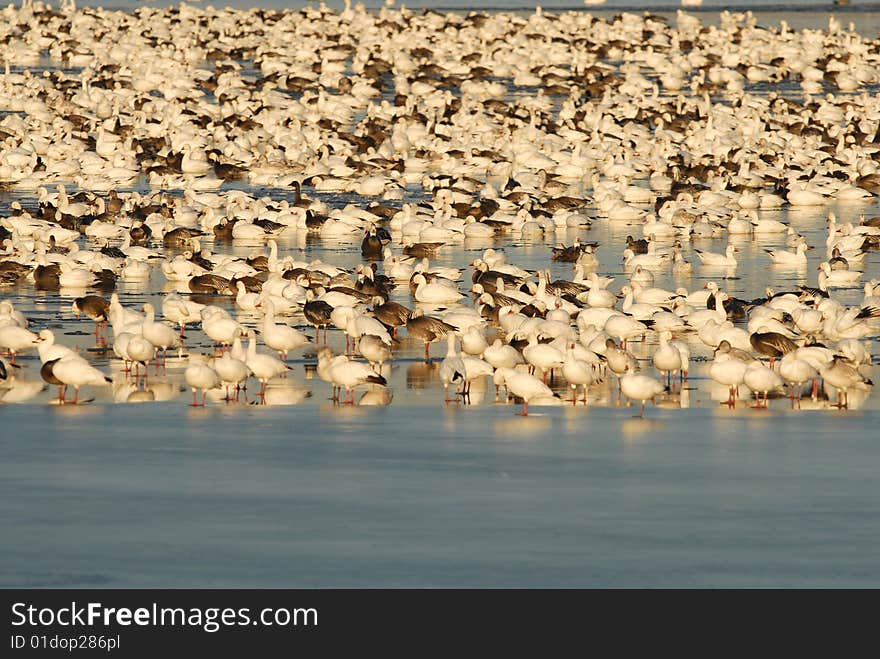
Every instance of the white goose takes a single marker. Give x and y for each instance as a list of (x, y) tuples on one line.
[(542, 356), (837, 278), (348, 374), (77, 372), (219, 327), (727, 259), (279, 336), (667, 358), (524, 386), (159, 334), (761, 380), (796, 371), (264, 367), (17, 339), (640, 387), (375, 350), (232, 372), (577, 372), (729, 371), (181, 311), (48, 349), (784, 257), (200, 376), (434, 293), (842, 376)]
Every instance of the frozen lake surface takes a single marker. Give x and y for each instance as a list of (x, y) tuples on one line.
[(348, 497), (306, 493)]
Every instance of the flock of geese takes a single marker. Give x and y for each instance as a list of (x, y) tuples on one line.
[(442, 132)]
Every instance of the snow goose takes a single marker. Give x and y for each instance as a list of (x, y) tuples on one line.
[(279, 336), (375, 350), (807, 320), (473, 341), (343, 372), (121, 316), (784, 257), (434, 293), (243, 299), (136, 350), (698, 319), (770, 321), (631, 261), (619, 359), (75, 371), (667, 358), (684, 353), (524, 386), (159, 334), (598, 297), (641, 276), (200, 376), (11, 316), (179, 310), (843, 377), (837, 278), (16, 339), (451, 368), (48, 349), (577, 372), (232, 372), (502, 355), (766, 226), (219, 327), (796, 372), (727, 260), (624, 327), (542, 356), (361, 324), (726, 369), (640, 387), (761, 380), (264, 367), (636, 310)]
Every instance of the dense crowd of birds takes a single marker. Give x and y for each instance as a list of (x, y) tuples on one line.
[(505, 125)]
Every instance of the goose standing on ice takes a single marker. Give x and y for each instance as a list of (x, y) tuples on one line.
[(843, 377), (427, 329), (97, 309), (77, 372), (159, 334), (199, 376), (667, 358), (524, 386), (761, 380), (279, 336), (640, 387), (17, 339)]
